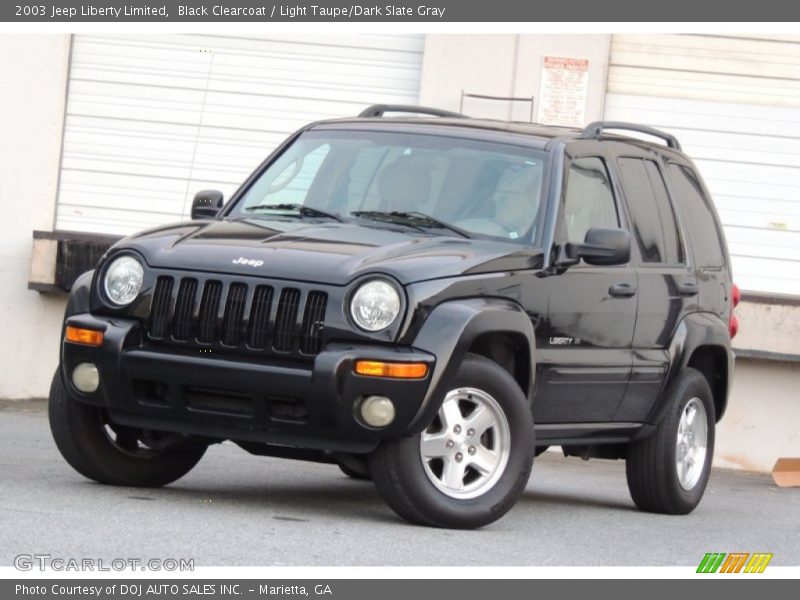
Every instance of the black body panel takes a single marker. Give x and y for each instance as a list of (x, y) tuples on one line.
[(594, 347), (328, 253)]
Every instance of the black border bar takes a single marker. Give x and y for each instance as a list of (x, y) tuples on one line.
[(392, 11)]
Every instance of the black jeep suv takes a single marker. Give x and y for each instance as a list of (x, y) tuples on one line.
[(428, 301)]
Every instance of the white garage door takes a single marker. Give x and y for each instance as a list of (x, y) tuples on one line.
[(734, 103), (153, 119)]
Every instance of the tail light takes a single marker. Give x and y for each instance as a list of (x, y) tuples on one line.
[(733, 323)]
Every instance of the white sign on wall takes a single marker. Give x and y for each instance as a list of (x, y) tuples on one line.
[(564, 91)]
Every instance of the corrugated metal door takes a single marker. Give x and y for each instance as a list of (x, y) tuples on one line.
[(153, 119), (734, 103)]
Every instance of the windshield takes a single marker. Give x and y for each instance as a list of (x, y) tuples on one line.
[(436, 184)]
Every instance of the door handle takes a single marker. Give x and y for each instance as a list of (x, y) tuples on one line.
[(688, 288), (622, 290)]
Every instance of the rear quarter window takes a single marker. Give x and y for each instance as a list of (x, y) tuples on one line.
[(698, 216), (654, 222)]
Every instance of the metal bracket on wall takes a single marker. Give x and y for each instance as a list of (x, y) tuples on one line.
[(466, 95), (59, 257)]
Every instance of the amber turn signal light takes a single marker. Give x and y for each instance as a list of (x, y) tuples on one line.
[(87, 337), (376, 368)]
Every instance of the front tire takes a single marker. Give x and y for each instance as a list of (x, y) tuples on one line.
[(471, 464), (668, 471), (355, 468), (115, 455)]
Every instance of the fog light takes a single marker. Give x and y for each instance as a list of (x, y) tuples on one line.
[(86, 378), (377, 411)]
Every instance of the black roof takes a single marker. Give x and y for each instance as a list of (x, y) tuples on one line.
[(534, 134)]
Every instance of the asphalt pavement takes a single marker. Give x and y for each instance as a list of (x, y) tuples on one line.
[(235, 509)]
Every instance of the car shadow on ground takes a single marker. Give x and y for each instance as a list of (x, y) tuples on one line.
[(535, 498), (302, 502), (286, 501)]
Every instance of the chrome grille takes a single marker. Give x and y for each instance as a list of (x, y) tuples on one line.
[(209, 308), (231, 316), (313, 322), (258, 326), (288, 306), (183, 323), (160, 311), (234, 311)]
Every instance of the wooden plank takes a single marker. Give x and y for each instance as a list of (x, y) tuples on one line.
[(786, 472), (43, 262)]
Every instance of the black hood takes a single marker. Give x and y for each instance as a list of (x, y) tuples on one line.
[(329, 253)]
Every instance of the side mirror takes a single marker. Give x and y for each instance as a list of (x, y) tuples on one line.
[(602, 246), (206, 204)]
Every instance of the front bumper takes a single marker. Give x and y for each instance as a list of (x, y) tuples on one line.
[(309, 405)]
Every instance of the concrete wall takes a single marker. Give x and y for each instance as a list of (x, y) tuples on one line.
[(768, 326), (506, 65), (33, 72), (762, 422)]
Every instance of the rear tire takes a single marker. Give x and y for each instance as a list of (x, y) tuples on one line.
[(115, 455), (472, 463), (668, 471)]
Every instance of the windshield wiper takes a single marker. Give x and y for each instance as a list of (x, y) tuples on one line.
[(411, 218), (301, 209)]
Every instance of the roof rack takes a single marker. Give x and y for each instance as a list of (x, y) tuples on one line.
[(378, 110), (595, 130)]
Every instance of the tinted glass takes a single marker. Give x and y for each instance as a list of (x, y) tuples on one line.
[(589, 201), (485, 188), (653, 219), (700, 222)]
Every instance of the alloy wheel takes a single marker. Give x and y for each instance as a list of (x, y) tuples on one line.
[(465, 449)]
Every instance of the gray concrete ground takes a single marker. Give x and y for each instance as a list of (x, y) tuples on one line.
[(237, 509)]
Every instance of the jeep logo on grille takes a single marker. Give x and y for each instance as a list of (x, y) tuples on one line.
[(250, 262)]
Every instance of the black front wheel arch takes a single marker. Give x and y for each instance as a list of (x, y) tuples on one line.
[(112, 454), (471, 463)]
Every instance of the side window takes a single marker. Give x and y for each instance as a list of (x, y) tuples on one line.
[(699, 217), (589, 201), (651, 211)]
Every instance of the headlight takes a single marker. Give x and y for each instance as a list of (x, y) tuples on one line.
[(375, 305), (123, 280)]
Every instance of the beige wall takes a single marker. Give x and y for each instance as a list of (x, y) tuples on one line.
[(33, 72), (767, 326), (762, 422), (505, 65)]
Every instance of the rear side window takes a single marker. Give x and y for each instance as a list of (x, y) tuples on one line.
[(699, 217), (589, 201), (653, 219)]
